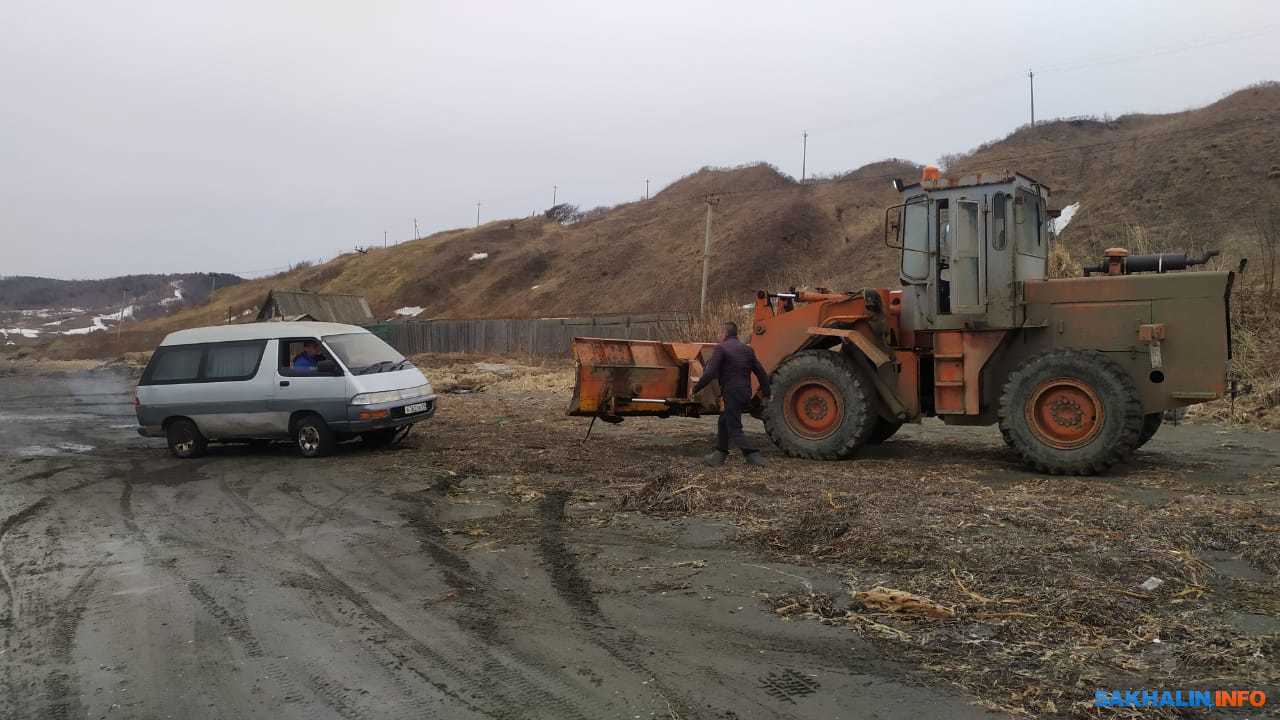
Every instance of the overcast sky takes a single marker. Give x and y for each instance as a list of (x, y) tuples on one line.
[(242, 136)]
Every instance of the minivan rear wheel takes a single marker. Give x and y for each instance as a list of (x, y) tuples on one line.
[(314, 437), (185, 440)]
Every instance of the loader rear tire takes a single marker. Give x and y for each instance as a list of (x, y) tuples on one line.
[(822, 406), (883, 430), (1150, 424), (1071, 412)]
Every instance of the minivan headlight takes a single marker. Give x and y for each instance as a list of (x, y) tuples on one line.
[(386, 396)]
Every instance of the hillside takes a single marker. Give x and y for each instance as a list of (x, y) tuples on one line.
[(1208, 177), (35, 308)]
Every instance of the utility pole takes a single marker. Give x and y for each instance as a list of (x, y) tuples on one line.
[(477, 214), (1032, 77), (706, 257), (646, 189), (384, 239), (804, 156), (123, 295), (554, 188), (415, 228)]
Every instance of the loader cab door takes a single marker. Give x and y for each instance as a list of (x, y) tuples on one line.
[(959, 283)]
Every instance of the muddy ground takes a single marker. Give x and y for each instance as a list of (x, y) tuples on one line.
[(498, 566)]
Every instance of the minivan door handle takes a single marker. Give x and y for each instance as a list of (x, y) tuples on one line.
[(284, 383)]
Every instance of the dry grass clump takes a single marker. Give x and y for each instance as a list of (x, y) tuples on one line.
[(667, 492)]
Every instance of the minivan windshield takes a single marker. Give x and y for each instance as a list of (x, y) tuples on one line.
[(365, 353)]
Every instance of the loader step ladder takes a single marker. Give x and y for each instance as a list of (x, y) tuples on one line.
[(948, 373)]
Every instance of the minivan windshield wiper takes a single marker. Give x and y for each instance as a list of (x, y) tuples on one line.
[(370, 369)]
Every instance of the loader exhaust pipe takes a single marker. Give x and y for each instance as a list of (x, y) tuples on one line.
[(1118, 261)]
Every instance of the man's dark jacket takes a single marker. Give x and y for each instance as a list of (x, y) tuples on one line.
[(732, 363)]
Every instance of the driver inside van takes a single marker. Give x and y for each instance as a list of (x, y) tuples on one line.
[(309, 359)]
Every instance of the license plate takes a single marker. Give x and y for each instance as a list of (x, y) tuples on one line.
[(415, 408)]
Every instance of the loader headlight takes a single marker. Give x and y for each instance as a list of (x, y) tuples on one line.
[(386, 396)]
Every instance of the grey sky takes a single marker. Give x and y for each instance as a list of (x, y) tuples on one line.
[(242, 136)]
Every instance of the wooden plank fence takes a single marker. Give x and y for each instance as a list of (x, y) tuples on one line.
[(538, 336)]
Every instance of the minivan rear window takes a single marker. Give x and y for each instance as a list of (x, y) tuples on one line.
[(175, 364)]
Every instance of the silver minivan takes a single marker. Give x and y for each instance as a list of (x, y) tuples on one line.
[(311, 382)]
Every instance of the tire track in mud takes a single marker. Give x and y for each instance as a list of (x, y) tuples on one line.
[(235, 626), (13, 612), (510, 692), (62, 693), (575, 590)]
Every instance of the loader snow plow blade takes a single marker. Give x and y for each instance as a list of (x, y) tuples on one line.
[(619, 378)]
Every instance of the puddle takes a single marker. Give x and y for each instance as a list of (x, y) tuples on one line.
[(1254, 623), (23, 417), (47, 450), (1234, 566)]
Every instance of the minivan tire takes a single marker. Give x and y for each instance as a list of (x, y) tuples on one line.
[(185, 439), (314, 437)]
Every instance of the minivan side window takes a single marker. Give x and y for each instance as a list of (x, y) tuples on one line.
[(291, 348), (233, 360), (174, 364)]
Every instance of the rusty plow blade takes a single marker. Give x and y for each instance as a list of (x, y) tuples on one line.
[(620, 378)]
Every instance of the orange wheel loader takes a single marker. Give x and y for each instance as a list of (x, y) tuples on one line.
[(1077, 371)]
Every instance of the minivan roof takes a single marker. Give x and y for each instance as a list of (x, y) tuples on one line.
[(258, 331)]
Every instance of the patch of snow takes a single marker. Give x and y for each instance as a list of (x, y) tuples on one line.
[(99, 322), (478, 256), (55, 322), (748, 306), (247, 312), (177, 294), (535, 287), (413, 311), (60, 448), (1068, 212), (21, 332), (126, 311)]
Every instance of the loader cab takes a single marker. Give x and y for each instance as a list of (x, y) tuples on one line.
[(966, 246)]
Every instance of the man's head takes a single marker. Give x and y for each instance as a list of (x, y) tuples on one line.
[(730, 330), (310, 348)]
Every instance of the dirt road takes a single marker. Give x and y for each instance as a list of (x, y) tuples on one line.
[(253, 584)]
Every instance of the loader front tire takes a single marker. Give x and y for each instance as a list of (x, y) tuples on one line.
[(1071, 412), (1150, 425), (883, 430), (822, 406)]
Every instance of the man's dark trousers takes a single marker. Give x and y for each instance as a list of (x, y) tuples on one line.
[(729, 427)]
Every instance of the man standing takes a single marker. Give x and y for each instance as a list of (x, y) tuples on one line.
[(732, 363)]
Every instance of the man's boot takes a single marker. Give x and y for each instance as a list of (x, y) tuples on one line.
[(716, 458), (753, 458)]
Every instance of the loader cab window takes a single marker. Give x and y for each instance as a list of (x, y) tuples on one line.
[(999, 224), (1029, 224), (915, 240), (942, 231)]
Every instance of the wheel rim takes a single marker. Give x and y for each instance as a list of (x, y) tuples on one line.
[(1065, 413), (185, 443), (813, 408), (309, 438)]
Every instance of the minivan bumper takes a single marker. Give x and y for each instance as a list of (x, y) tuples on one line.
[(395, 415)]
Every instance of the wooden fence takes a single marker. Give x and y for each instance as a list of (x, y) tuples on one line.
[(541, 336)]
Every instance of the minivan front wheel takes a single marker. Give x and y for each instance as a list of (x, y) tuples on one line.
[(314, 437), (185, 440)]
